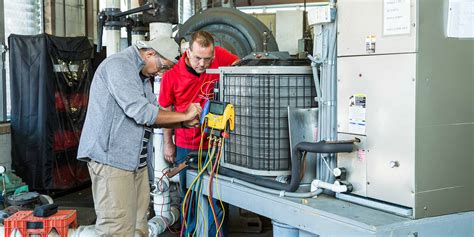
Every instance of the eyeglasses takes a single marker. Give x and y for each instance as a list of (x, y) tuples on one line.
[(198, 59), (162, 67)]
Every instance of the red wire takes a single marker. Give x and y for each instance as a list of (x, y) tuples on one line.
[(184, 217), (219, 154)]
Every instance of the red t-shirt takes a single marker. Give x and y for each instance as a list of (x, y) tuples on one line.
[(180, 88)]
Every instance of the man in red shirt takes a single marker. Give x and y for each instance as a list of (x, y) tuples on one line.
[(187, 82)]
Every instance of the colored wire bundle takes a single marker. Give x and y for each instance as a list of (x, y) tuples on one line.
[(191, 202)]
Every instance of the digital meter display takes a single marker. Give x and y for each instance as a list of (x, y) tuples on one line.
[(216, 108)]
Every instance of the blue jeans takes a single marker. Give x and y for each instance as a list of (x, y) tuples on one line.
[(181, 154)]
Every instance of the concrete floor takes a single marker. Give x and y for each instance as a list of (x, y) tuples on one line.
[(242, 223)]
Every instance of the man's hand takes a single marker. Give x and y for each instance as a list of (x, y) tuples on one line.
[(193, 110), (169, 152), (191, 123)]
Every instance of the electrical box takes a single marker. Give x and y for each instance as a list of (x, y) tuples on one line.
[(321, 14), (371, 28), (289, 29), (405, 90), (390, 122)]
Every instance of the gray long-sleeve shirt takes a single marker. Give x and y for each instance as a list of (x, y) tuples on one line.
[(120, 104)]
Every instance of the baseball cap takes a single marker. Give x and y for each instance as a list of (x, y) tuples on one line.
[(165, 46)]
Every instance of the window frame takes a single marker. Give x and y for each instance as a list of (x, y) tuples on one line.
[(3, 86), (4, 105)]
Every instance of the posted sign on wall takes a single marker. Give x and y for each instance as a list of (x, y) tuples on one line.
[(396, 17)]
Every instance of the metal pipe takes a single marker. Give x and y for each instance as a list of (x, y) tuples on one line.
[(325, 35), (332, 95), (269, 190), (112, 36), (333, 81), (187, 10), (136, 36), (112, 4), (86, 13), (112, 33), (64, 18), (318, 184), (139, 9), (229, 3), (316, 61), (159, 223), (165, 213), (324, 119), (203, 5), (318, 147)]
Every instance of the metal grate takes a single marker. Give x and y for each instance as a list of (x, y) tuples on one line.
[(260, 141)]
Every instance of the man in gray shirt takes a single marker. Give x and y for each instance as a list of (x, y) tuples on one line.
[(115, 138)]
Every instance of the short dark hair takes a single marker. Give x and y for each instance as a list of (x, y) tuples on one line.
[(203, 38)]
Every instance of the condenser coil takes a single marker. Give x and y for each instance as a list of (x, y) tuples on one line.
[(261, 96)]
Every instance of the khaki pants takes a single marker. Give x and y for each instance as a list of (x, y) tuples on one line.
[(121, 200)]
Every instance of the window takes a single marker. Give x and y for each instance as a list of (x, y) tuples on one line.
[(20, 17)]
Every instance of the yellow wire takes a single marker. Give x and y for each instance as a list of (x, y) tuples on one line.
[(202, 212), (183, 205), (210, 155), (201, 143), (209, 198), (200, 189), (190, 188), (221, 149), (188, 192)]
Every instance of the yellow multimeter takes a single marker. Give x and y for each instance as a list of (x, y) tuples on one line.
[(219, 115)]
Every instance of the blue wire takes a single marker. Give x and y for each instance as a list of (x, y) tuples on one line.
[(194, 200)]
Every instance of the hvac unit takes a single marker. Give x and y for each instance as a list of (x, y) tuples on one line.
[(405, 89), (261, 92)]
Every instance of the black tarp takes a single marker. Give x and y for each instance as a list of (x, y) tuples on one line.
[(50, 78)]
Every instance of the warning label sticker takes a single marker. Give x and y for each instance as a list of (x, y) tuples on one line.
[(357, 113)]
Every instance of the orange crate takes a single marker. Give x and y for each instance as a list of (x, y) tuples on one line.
[(27, 224)]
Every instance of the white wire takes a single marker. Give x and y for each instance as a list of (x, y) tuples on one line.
[(327, 165)]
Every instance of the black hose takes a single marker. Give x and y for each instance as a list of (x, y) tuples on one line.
[(322, 147), (318, 147)]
